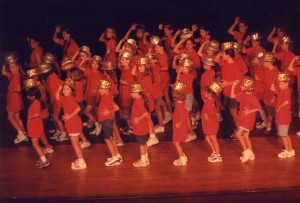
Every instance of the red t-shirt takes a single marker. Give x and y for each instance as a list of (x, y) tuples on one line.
[(14, 81), (187, 79), (230, 72), (285, 57), (36, 57), (210, 125), (68, 49), (35, 127), (206, 79), (69, 104), (283, 116), (247, 101), (156, 82), (79, 91), (238, 36), (106, 102), (53, 83), (180, 115), (270, 76), (138, 109), (111, 45), (93, 79), (164, 74), (259, 72)]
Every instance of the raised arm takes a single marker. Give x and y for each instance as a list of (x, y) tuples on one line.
[(270, 36), (231, 29), (200, 51), (176, 48), (56, 32)]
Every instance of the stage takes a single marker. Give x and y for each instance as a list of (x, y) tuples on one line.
[(266, 179)]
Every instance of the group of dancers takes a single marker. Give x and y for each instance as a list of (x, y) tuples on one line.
[(145, 73)]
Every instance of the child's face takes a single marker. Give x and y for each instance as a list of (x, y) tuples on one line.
[(283, 85), (284, 46), (67, 91), (189, 44), (255, 61), (210, 52), (83, 55), (13, 67), (203, 33), (109, 33), (158, 49), (254, 43), (206, 67), (103, 91), (134, 95), (66, 36), (140, 33), (124, 61), (242, 27), (142, 68), (95, 65)]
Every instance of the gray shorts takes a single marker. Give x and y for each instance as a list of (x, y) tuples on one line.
[(189, 101), (283, 130)]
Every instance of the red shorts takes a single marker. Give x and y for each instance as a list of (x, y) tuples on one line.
[(14, 102), (126, 99)]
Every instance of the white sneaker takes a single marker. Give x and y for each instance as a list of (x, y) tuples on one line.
[(284, 154), (261, 125), (298, 133), (120, 158), (119, 143), (52, 131), (215, 159), (55, 135), (88, 124), (49, 150), (96, 131), (159, 129), (246, 156), (292, 153), (113, 162), (20, 138), (140, 164), (78, 166), (152, 141), (182, 161), (128, 131), (62, 137), (84, 145), (191, 137)]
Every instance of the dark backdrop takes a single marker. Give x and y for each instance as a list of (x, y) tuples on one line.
[(88, 18)]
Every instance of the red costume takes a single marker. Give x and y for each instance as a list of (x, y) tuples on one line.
[(35, 127), (180, 116), (138, 109), (14, 97), (210, 123)]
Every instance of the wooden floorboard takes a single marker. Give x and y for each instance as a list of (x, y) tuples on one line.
[(267, 174)]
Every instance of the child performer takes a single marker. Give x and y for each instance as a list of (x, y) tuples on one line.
[(108, 69), (249, 105), (52, 84), (283, 113), (93, 75), (140, 122), (109, 38), (180, 123), (184, 74), (144, 75), (72, 120), (14, 97), (210, 123), (106, 112), (35, 126)]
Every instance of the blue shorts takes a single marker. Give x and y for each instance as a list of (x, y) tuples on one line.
[(231, 103), (107, 128), (141, 140)]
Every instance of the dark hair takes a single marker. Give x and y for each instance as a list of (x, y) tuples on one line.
[(230, 52), (37, 94)]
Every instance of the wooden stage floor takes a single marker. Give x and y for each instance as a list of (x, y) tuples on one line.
[(266, 179)]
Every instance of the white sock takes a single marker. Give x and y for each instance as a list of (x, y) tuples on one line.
[(81, 161), (43, 158), (143, 158), (64, 133), (152, 135), (20, 133), (115, 157)]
